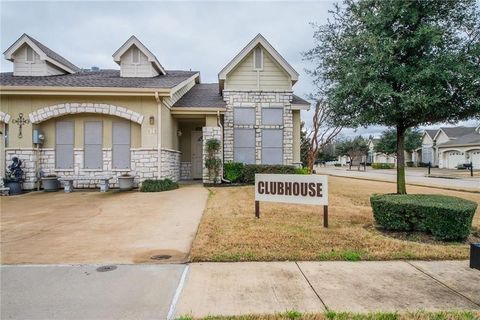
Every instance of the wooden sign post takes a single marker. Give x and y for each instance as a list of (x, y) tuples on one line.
[(292, 188)]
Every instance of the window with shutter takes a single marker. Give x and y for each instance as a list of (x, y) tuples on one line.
[(93, 136), (121, 145), (64, 141), (258, 58), (135, 55), (272, 146), (244, 145), (30, 55), (272, 116), (244, 116)]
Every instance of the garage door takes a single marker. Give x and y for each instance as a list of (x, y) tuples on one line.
[(453, 159), (475, 158)]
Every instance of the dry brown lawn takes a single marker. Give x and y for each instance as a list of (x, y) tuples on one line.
[(229, 231), (294, 315)]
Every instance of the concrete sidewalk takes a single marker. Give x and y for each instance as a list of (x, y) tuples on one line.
[(201, 289), (271, 287)]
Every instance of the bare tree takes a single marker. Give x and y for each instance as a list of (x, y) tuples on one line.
[(322, 132)]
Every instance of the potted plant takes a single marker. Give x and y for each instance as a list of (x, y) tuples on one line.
[(14, 177), (50, 183), (125, 182)]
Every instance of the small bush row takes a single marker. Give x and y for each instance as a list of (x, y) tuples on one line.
[(382, 165), (158, 185), (237, 172), (445, 217)]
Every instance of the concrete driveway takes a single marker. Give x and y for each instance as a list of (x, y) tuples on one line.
[(93, 227)]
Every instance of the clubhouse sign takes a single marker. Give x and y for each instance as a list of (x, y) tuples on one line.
[(292, 188)]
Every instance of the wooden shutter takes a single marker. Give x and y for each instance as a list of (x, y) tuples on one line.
[(93, 136), (244, 145), (272, 146), (64, 141), (121, 145)]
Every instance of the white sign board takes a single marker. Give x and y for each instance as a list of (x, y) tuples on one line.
[(292, 188)]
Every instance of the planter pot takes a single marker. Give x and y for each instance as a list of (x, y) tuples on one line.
[(50, 184), (475, 256), (15, 187), (125, 183)]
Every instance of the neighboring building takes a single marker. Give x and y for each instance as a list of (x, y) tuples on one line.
[(378, 157), (451, 146), (144, 119)]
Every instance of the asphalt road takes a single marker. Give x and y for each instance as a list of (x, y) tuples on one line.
[(413, 176)]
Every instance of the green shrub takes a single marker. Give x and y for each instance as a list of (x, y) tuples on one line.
[(409, 163), (158, 185), (337, 164), (304, 170), (446, 218), (382, 165), (250, 170), (233, 171)]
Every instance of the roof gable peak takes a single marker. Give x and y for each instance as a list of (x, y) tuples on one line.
[(43, 51), (258, 39), (134, 41)]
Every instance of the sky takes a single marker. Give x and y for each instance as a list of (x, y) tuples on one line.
[(197, 35)]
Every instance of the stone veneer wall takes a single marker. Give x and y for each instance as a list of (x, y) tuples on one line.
[(185, 170), (259, 100), (143, 165), (212, 133)]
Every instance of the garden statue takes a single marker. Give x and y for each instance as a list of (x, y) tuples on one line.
[(14, 176)]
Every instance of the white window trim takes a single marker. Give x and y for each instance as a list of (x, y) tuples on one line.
[(26, 55), (261, 59), (133, 54)]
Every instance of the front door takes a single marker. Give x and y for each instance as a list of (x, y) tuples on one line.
[(197, 154)]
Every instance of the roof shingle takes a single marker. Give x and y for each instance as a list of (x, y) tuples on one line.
[(204, 95), (100, 78), (53, 55)]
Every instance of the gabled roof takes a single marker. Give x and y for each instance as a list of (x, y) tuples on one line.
[(133, 41), (455, 132), (203, 95), (97, 79), (43, 51), (431, 132), (259, 39), (465, 140)]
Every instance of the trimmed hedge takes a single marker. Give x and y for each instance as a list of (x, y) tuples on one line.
[(303, 170), (250, 170), (382, 165), (158, 185), (233, 171), (445, 217)]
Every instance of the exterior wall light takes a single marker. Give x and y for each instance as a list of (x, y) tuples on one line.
[(151, 120), (179, 133)]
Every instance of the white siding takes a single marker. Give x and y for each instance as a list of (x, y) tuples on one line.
[(271, 77), (143, 69), (23, 68)]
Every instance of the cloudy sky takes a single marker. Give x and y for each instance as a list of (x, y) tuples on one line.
[(196, 35)]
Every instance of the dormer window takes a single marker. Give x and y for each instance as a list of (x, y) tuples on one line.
[(135, 55), (30, 55), (258, 58)]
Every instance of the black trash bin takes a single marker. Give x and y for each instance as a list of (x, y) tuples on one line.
[(475, 256)]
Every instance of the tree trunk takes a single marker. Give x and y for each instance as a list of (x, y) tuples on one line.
[(401, 188)]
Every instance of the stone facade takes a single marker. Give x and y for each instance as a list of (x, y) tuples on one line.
[(4, 117), (259, 100), (143, 165), (212, 133), (185, 170), (73, 108)]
